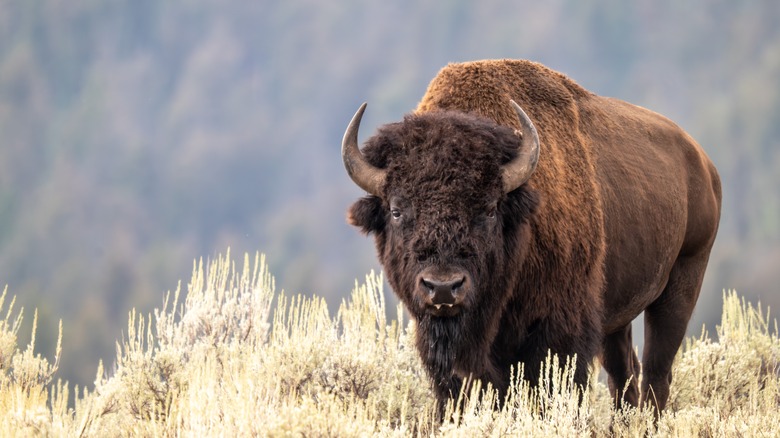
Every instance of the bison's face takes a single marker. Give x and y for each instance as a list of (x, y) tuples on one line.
[(439, 244), (445, 207)]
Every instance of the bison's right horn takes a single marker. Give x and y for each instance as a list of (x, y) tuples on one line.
[(519, 170), (366, 176)]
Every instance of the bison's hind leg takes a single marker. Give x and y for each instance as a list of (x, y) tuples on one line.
[(622, 366), (666, 321)]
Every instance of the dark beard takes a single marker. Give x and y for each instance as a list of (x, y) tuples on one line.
[(440, 343)]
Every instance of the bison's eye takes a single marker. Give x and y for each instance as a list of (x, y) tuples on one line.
[(491, 213), (399, 210)]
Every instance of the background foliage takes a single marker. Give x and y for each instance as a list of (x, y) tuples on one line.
[(136, 134)]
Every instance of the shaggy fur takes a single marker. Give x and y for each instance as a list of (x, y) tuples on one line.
[(618, 217)]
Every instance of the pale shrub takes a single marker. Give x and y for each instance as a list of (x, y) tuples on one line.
[(730, 387), (237, 359), (24, 378)]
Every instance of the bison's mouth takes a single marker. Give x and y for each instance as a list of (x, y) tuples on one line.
[(443, 310)]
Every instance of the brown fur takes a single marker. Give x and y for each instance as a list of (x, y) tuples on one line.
[(618, 218)]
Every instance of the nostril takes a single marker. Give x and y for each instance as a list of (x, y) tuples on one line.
[(450, 286)]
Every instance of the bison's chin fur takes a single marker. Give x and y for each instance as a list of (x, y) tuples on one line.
[(457, 347), (444, 349)]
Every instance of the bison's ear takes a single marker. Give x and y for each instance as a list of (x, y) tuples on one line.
[(367, 214)]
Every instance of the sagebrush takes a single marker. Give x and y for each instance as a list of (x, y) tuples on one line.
[(232, 357)]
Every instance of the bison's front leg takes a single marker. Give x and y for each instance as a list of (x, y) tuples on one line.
[(545, 339), (622, 366), (450, 388)]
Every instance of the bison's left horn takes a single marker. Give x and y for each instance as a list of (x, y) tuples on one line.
[(519, 170), (363, 173)]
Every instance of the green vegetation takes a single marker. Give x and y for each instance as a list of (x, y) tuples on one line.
[(232, 357)]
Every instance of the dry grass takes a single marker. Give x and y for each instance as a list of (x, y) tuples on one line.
[(234, 358)]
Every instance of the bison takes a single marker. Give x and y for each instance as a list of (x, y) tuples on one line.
[(517, 213)]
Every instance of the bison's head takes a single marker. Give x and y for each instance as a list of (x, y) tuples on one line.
[(447, 205)]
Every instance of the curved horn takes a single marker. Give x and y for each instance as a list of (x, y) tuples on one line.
[(519, 170), (366, 176)]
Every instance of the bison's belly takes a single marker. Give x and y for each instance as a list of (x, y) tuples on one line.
[(637, 268), (625, 300)]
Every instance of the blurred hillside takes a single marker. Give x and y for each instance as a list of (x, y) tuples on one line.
[(137, 134)]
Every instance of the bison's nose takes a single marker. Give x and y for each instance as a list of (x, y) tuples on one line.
[(443, 290)]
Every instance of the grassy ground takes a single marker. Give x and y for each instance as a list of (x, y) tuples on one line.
[(231, 357)]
